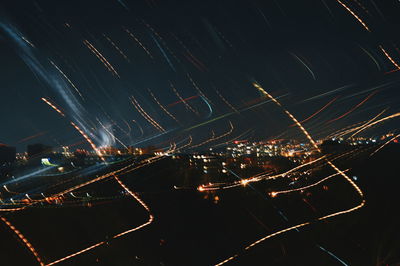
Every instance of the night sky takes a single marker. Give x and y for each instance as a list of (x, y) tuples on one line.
[(119, 69)]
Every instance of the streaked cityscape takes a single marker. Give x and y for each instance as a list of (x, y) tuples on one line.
[(147, 132)]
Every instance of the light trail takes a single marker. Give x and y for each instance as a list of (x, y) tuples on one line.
[(213, 138), (114, 174), (354, 108), (328, 93), (340, 172), (32, 136), (161, 39), (163, 53), (138, 42), (317, 112), (186, 145), (141, 202), (275, 193), (206, 141), (183, 100), (116, 48), (197, 88), (101, 58), (231, 113), (146, 115), (140, 128), (226, 102), (386, 143), (76, 253), (209, 107), (69, 81), (190, 57), (88, 140), (377, 122), (373, 58), (53, 106), (162, 107), (389, 57), (256, 178), (24, 240), (354, 15), (304, 64), (112, 135), (360, 128), (354, 127), (180, 101)]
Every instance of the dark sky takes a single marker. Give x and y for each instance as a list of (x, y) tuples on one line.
[(89, 58)]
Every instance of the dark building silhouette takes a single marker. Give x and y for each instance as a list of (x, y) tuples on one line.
[(35, 150), (7, 154)]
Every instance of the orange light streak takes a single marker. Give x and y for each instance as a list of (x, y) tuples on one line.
[(348, 179), (146, 115), (386, 143), (101, 58), (53, 106), (390, 58), (24, 240), (137, 41), (162, 107), (354, 15)]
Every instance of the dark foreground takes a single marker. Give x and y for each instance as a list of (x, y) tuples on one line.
[(193, 228)]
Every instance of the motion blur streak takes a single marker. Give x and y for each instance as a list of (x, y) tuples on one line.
[(162, 107), (384, 144), (354, 15), (101, 58), (146, 115), (317, 112), (116, 48), (138, 42), (76, 253), (354, 108), (389, 57), (340, 172), (23, 239), (151, 217), (87, 139), (305, 187), (377, 122), (53, 106), (65, 76)]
